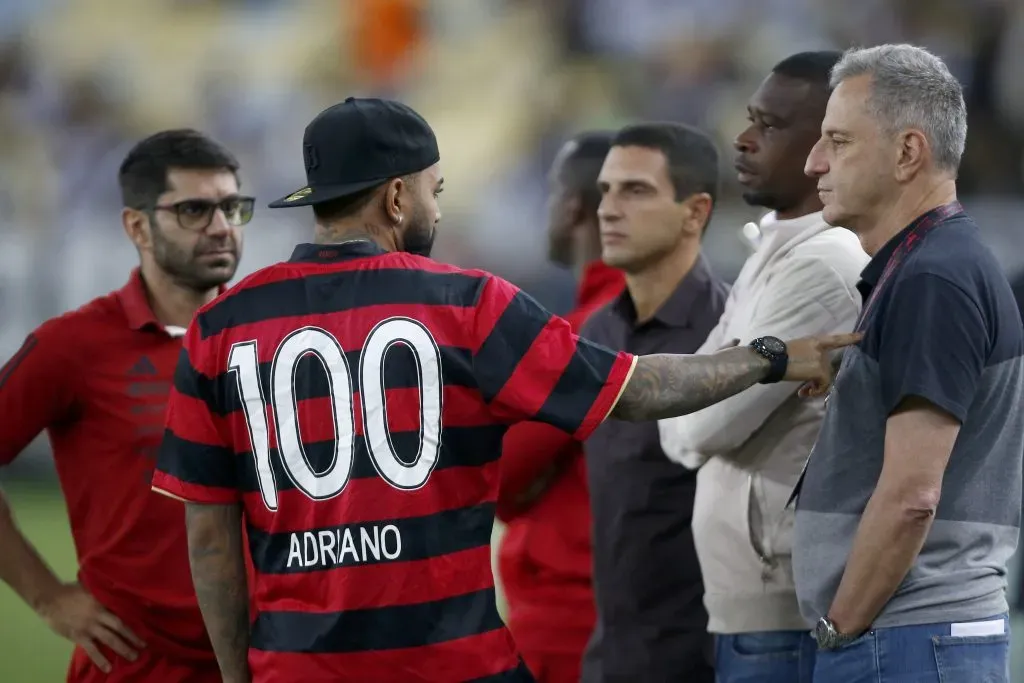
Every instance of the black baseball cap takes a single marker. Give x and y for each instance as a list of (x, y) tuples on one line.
[(358, 144)]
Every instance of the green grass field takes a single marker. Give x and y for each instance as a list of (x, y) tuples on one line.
[(30, 653)]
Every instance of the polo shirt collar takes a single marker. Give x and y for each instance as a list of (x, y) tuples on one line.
[(677, 309), (135, 303), (872, 272), (331, 253), (134, 300)]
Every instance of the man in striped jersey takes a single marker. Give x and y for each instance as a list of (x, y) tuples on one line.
[(346, 407)]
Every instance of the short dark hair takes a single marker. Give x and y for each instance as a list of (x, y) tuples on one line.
[(691, 155), (143, 173), (351, 204), (343, 207), (813, 67), (582, 166)]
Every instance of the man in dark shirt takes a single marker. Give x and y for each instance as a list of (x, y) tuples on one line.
[(658, 186), (910, 506)]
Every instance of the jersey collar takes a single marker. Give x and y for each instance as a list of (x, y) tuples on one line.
[(342, 251)]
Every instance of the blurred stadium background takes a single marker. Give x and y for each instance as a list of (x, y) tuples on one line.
[(502, 81)]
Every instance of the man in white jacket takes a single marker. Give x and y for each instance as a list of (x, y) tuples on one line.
[(750, 448)]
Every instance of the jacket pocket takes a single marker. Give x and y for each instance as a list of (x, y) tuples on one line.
[(769, 521), (786, 443), (760, 541), (721, 527)]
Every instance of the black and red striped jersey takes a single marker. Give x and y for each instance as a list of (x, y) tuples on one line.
[(354, 401)]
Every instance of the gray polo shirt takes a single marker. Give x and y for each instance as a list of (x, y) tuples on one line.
[(651, 622), (944, 326)]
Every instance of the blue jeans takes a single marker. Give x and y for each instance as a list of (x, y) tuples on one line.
[(766, 657), (918, 654)]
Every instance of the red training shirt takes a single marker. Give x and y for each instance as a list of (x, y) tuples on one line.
[(369, 480), (545, 556), (96, 380), (529, 447)]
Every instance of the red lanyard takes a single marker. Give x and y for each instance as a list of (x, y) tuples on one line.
[(921, 227)]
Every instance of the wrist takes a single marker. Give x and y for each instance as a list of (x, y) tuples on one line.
[(831, 636), (839, 625), (775, 355), (42, 598), (764, 366), (845, 626)]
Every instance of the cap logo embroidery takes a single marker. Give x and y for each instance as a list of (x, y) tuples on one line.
[(295, 196), (310, 157)]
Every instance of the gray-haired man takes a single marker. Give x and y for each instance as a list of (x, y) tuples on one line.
[(910, 505)]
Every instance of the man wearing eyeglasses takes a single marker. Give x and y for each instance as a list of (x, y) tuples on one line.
[(96, 380)]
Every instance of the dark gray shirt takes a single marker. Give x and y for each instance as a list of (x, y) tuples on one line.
[(651, 623), (940, 323)]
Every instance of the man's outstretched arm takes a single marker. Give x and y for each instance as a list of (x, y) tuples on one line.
[(218, 572), (666, 385), (523, 354)]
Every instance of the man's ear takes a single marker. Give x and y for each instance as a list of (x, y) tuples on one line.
[(136, 226), (913, 152), (393, 204), (698, 212)]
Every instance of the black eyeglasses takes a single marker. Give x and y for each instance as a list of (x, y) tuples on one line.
[(197, 214)]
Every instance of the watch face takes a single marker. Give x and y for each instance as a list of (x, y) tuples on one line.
[(824, 634), (820, 632), (774, 345)]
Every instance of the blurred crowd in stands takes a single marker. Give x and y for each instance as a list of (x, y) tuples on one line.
[(504, 81)]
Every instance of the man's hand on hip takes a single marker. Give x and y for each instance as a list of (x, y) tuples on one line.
[(76, 615)]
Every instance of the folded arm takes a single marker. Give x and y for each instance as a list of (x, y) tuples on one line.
[(807, 298)]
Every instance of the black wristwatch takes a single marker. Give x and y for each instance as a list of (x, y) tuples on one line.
[(774, 349), (829, 637)]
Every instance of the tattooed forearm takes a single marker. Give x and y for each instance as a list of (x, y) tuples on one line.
[(218, 573), (665, 385)]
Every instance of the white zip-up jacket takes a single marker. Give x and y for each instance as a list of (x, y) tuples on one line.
[(800, 281)]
